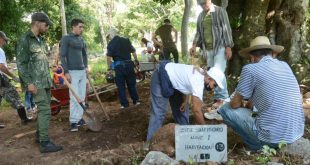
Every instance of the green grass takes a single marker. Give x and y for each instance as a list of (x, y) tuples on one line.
[(97, 69)]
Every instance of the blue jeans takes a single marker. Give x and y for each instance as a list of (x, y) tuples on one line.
[(125, 75), (218, 60), (29, 101), (242, 122), (159, 105), (78, 83)]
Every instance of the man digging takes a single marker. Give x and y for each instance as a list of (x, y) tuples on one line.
[(172, 82)]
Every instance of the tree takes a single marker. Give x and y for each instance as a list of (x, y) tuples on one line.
[(63, 17), (283, 21), (184, 28)]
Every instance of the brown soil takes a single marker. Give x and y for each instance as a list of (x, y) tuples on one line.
[(119, 142)]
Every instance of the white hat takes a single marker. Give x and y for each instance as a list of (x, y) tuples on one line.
[(217, 75), (112, 32), (261, 42)]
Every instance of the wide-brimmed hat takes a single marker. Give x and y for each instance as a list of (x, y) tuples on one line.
[(217, 75), (260, 42), (2, 35)]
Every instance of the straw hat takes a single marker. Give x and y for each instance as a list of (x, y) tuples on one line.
[(260, 42)]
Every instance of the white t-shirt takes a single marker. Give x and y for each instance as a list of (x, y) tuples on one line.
[(2, 58), (184, 80)]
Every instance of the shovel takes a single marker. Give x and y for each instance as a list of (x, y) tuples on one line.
[(90, 119)]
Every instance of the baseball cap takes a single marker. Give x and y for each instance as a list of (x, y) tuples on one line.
[(2, 35), (41, 17)]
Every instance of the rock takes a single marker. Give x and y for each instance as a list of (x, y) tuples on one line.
[(156, 157), (301, 148), (164, 140)]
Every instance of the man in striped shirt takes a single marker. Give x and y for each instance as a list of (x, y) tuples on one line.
[(270, 86)]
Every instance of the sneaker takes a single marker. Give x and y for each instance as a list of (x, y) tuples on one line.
[(2, 125), (123, 107), (213, 115), (29, 113), (146, 146), (81, 123), (49, 146), (35, 109), (74, 127), (137, 103)]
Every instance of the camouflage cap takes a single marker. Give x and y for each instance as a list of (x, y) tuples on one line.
[(41, 17), (2, 35)]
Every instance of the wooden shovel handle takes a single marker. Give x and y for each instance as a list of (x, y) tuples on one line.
[(98, 98), (74, 94)]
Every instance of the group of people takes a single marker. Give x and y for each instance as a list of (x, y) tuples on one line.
[(34, 75), (266, 107), (267, 85)]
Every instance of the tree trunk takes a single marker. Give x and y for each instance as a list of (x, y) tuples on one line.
[(283, 21), (184, 28), (290, 31), (63, 17)]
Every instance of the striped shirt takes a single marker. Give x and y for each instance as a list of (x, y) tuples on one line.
[(222, 35), (272, 87)]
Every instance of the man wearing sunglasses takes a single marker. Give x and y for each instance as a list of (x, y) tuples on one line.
[(172, 82), (33, 70)]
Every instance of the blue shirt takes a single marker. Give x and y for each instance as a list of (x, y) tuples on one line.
[(120, 49), (272, 87)]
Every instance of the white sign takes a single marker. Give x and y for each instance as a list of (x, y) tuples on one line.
[(201, 143)]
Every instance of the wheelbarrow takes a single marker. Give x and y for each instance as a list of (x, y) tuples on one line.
[(62, 99), (144, 70)]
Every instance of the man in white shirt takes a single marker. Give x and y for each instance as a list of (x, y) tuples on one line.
[(172, 82), (7, 90)]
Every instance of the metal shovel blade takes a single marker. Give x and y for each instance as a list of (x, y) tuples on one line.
[(92, 121)]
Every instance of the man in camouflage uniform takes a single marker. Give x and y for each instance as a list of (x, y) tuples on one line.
[(7, 90), (33, 69)]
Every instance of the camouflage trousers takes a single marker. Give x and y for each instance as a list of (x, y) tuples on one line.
[(8, 91)]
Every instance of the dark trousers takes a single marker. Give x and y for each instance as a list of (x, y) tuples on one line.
[(125, 75), (174, 51)]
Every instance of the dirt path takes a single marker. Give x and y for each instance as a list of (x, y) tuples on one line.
[(126, 128)]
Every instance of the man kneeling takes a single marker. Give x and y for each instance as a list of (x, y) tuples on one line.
[(270, 86)]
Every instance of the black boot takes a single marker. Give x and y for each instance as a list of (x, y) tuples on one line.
[(23, 116), (49, 146)]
